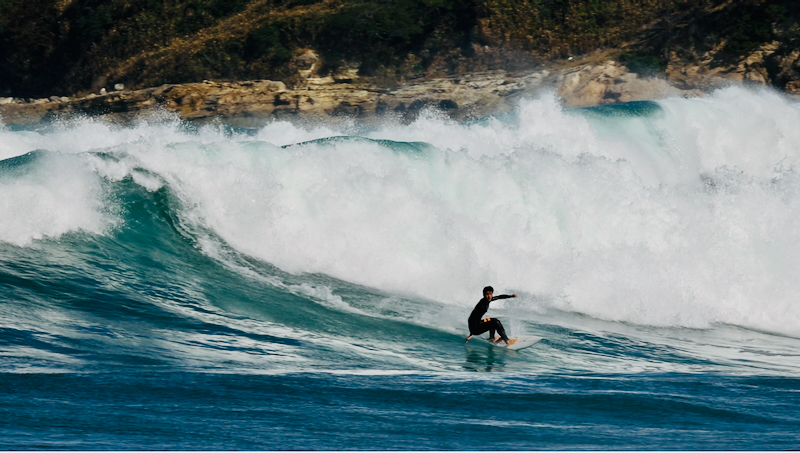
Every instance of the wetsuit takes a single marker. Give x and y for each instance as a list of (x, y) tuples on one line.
[(477, 325)]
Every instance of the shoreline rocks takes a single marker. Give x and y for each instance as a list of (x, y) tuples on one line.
[(252, 104)]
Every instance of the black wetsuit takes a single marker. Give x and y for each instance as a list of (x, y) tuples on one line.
[(478, 326)]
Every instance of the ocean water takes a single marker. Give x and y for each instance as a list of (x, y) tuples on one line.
[(306, 286)]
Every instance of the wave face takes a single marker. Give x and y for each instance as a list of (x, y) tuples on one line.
[(652, 237)]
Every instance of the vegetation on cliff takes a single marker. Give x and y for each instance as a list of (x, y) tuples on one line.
[(67, 46)]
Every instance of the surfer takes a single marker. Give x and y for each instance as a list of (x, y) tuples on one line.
[(478, 326)]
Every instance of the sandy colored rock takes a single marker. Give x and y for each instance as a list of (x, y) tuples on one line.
[(345, 94)]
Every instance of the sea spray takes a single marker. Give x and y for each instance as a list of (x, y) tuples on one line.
[(46, 194), (684, 216)]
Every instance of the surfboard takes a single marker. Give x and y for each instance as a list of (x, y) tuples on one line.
[(521, 343)]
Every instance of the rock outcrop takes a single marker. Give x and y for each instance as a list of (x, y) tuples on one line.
[(345, 95), (611, 83)]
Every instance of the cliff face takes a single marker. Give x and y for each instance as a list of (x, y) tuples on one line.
[(66, 46), (69, 46), (345, 96), (745, 41), (365, 58)]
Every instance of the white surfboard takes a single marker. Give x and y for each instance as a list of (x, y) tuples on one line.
[(522, 342)]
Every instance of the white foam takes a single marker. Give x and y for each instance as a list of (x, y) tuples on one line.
[(59, 195), (686, 217), (281, 133)]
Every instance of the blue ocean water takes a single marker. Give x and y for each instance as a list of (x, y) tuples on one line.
[(306, 286)]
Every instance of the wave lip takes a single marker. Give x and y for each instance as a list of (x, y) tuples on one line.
[(45, 195), (678, 215)]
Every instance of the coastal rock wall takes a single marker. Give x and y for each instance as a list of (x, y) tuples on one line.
[(253, 103)]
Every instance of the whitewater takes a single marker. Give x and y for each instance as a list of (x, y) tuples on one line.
[(306, 285)]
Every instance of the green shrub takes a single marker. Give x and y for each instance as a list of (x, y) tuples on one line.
[(754, 29), (224, 8), (643, 62), (194, 17), (267, 42), (93, 23), (380, 33)]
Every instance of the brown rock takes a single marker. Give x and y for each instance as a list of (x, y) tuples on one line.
[(252, 103), (306, 61)]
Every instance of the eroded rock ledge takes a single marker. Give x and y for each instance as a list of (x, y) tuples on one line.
[(253, 103)]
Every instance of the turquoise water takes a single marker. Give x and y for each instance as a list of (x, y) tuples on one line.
[(164, 286)]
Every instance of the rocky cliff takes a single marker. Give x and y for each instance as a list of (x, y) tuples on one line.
[(344, 95), (252, 103), (395, 47)]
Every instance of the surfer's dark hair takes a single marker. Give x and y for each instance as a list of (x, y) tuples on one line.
[(488, 289)]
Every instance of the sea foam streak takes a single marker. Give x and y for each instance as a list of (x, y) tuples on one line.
[(686, 216)]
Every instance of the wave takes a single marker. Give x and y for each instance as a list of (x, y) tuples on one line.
[(679, 213)]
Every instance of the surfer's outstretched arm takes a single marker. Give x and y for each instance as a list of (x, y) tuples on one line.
[(468, 338), (503, 296)]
